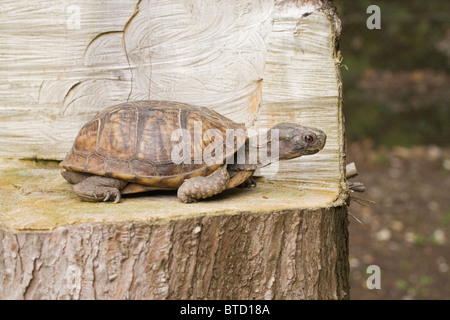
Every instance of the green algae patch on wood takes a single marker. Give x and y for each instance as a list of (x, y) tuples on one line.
[(36, 197)]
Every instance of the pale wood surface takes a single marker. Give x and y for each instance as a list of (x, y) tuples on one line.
[(36, 197)]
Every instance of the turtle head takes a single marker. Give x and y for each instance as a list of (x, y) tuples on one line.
[(296, 140)]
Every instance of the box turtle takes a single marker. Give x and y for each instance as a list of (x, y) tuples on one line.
[(130, 148)]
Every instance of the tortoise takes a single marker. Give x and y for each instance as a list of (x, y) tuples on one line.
[(129, 148)]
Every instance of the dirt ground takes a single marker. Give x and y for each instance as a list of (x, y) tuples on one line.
[(406, 230)]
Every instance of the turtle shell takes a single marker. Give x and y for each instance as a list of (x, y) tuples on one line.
[(134, 141)]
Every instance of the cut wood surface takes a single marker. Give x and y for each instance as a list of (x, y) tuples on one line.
[(38, 198)]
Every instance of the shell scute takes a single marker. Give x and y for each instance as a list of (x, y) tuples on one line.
[(117, 134), (86, 140), (97, 161), (143, 168), (154, 139)]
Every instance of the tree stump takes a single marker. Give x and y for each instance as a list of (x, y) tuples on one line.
[(255, 62)]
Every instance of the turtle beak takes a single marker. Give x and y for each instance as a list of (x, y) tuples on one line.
[(308, 152)]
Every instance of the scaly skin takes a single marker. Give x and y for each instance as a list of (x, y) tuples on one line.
[(204, 187)]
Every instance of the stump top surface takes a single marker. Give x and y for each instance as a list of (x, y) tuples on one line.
[(35, 197)]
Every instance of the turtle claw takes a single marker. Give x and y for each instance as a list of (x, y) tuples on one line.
[(108, 195), (117, 197), (112, 194), (190, 200)]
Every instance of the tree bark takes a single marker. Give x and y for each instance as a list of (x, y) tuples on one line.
[(287, 254)]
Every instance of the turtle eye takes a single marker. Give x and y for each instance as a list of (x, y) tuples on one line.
[(308, 138)]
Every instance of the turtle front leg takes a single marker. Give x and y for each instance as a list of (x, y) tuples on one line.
[(204, 187), (97, 188)]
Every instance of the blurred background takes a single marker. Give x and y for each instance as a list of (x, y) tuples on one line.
[(397, 111)]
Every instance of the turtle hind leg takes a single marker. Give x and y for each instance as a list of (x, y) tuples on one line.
[(96, 188), (74, 177), (204, 187)]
